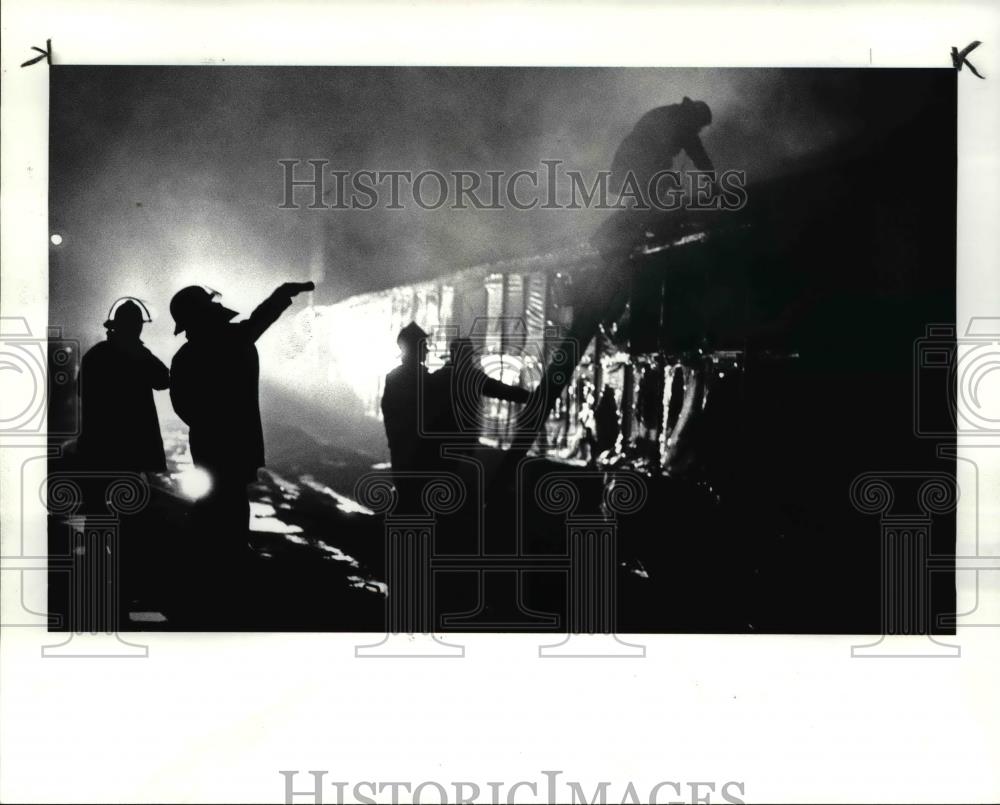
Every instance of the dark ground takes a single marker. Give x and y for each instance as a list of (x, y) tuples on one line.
[(777, 551)]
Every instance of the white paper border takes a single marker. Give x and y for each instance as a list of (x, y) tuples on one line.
[(212, 718)]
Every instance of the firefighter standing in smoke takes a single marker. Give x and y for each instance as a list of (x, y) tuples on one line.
[(410, 450), (457, 392), (214, 389), (120, 433), (120, 429)]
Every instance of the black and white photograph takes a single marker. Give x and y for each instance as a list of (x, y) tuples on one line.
[(608, 395), (653, 325)]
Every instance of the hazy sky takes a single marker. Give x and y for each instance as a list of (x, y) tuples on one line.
[(163, 177)]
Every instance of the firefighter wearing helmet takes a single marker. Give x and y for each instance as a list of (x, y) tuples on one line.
[(214, 389), (120, 428)]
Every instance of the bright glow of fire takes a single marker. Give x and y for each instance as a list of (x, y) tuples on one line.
[(194, 482)]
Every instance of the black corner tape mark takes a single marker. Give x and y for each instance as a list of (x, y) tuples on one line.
[(958, 58), (47, 54)]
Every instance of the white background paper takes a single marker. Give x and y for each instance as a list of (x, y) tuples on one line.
[(212, 718)]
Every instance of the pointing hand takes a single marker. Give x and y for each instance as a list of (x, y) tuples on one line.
[(294, 288)]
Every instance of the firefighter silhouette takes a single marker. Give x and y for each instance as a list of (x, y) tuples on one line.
[(410, 448), (654, 142), (120, 433), (120, 429), (214, 389), (457, 390), (606, 421)]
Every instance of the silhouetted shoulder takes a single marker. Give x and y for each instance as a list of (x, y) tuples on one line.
[(394, 376), (394, 385), (181, 355), (99, 351), (442, 375), (657, 119)]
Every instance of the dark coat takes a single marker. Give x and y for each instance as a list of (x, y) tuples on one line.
[(214, 389), (659, 136), (120, 428), (606, 421), (408, 446), (456, 400)]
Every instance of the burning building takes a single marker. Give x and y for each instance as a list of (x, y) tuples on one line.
[(723, 319)]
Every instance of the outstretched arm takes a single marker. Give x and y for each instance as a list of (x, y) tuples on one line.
[(501, 391), (268, 311)]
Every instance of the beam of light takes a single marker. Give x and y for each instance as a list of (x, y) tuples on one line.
[(194, 482)]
